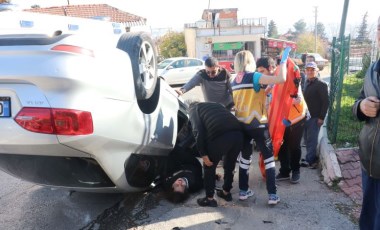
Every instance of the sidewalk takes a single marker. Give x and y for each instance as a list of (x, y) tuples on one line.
[(341, 167)]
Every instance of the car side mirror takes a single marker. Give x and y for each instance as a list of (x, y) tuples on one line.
[(170, 67)]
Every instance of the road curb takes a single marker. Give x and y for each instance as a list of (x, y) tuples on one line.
[(330, 167)]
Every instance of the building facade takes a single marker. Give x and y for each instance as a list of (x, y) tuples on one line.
[(221, 34)]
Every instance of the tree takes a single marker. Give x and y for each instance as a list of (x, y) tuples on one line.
[(300, 27), (363, 30), (172, 44), (306, 41), (272, 29), (321, 31)]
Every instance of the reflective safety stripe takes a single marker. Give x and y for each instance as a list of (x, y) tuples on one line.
[(245, 161), (269, 160), (270, 165)]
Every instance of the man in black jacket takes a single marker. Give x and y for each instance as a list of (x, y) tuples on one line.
[(317, 99), (217, 132), (366, 108)]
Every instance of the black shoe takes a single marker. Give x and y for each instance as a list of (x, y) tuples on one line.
[(281, 177), (304, 163), (218, 188), (218, 176), (205, 202), (295, 177), (227, 197), (313, 165)]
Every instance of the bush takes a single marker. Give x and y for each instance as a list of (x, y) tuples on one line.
[(348, 126), (366, 62)]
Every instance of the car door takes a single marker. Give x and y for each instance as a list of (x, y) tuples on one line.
[(194, 66), (174, 72)]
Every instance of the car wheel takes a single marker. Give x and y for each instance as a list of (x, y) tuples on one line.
[(142, 53)]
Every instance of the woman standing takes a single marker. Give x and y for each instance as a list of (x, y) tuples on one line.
[(249, 96)]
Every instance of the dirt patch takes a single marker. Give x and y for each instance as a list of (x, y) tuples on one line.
[(352, 211)]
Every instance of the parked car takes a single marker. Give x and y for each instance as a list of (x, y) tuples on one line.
[(320, 61), (355, 64), (179, 70), (83, 111)]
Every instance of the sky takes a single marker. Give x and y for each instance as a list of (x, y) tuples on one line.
[(175, 13)]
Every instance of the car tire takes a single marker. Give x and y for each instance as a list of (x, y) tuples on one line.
[(143, 55)]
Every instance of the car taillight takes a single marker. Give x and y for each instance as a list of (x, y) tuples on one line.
[(55, 121), (73, 49)]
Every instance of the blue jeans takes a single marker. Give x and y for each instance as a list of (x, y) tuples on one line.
[(311, 134), (264, 143), (370, 215)]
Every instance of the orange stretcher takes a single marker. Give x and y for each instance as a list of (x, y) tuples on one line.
[(280, 105)]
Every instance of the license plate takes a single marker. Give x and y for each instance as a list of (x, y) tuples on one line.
[(5, 107)]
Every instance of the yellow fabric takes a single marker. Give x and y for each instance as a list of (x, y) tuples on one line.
[(250, 105)]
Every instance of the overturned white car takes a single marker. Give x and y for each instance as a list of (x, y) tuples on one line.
[(82, 110)]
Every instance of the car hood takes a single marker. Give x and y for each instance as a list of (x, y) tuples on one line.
[(160, 72)]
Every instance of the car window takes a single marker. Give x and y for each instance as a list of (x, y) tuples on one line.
[(164, 63), (179, 64), (317, 56), (194, 62)]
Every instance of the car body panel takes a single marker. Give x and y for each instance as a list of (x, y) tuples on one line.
[(179, 70), (37, 76)]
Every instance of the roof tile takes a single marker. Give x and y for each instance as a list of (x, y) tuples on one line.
[(90, 11)]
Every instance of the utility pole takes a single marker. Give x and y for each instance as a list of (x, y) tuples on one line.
[(315, 28)]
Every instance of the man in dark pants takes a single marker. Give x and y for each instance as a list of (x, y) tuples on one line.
[(290, 151), (217, 132), (317, 99)]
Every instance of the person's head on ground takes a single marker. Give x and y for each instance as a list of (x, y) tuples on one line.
[(244, 62), (212, 67), (178, 192), (266, 65), (311, 69)]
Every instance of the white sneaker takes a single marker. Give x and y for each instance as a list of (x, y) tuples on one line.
[(243, 195), (273, 199)]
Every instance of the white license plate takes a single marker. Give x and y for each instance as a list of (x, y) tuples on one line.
[(5, 106)]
